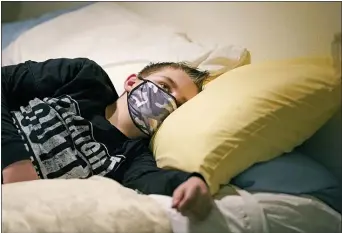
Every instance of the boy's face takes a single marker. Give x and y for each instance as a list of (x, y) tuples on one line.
[(175, 82)]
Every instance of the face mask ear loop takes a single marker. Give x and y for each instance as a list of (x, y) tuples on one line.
[(140, 78), (128, 94)]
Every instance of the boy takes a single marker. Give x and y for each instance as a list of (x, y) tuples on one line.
[(62, 118)]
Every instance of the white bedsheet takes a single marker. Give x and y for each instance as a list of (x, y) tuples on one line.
[(119, 40), (259, 213), (101, 205)]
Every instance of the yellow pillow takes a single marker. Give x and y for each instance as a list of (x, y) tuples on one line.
[(250, 114)]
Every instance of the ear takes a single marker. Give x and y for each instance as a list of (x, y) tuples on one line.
[(130, 81)]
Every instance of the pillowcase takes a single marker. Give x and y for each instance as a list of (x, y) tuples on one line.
[(92, 205), (292, 173), (250, 114)]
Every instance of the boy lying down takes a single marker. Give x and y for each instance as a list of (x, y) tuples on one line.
[(63, 118)]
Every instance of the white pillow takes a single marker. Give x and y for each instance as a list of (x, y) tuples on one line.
[(119, 40), (95, 205)]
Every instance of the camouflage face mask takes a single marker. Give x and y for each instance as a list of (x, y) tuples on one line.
[(149, 105)]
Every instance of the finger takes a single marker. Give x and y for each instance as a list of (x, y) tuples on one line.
[(201, 205), (177, 196), (188, 200)]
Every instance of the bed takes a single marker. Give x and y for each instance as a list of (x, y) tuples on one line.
[(116, 41)]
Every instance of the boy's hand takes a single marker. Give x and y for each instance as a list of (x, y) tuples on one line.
[(19, 171), (192, 198)]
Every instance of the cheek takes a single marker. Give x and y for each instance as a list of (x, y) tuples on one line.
[(191, 93), (185, 97)]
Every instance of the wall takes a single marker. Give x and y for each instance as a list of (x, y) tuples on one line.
[(28, 9), (10, 11), (33, 9), (268, 29)]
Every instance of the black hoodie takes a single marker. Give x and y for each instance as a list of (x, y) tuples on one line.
[(53, 113)]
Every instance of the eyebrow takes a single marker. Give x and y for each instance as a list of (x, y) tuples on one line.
[(170, 80)]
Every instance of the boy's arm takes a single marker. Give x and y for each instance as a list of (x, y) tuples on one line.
[(141, 173), (189, 190), (26, 81), (52, 78)]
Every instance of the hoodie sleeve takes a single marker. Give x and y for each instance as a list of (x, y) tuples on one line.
[(142, 174), (25, 81), (52, 78)]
